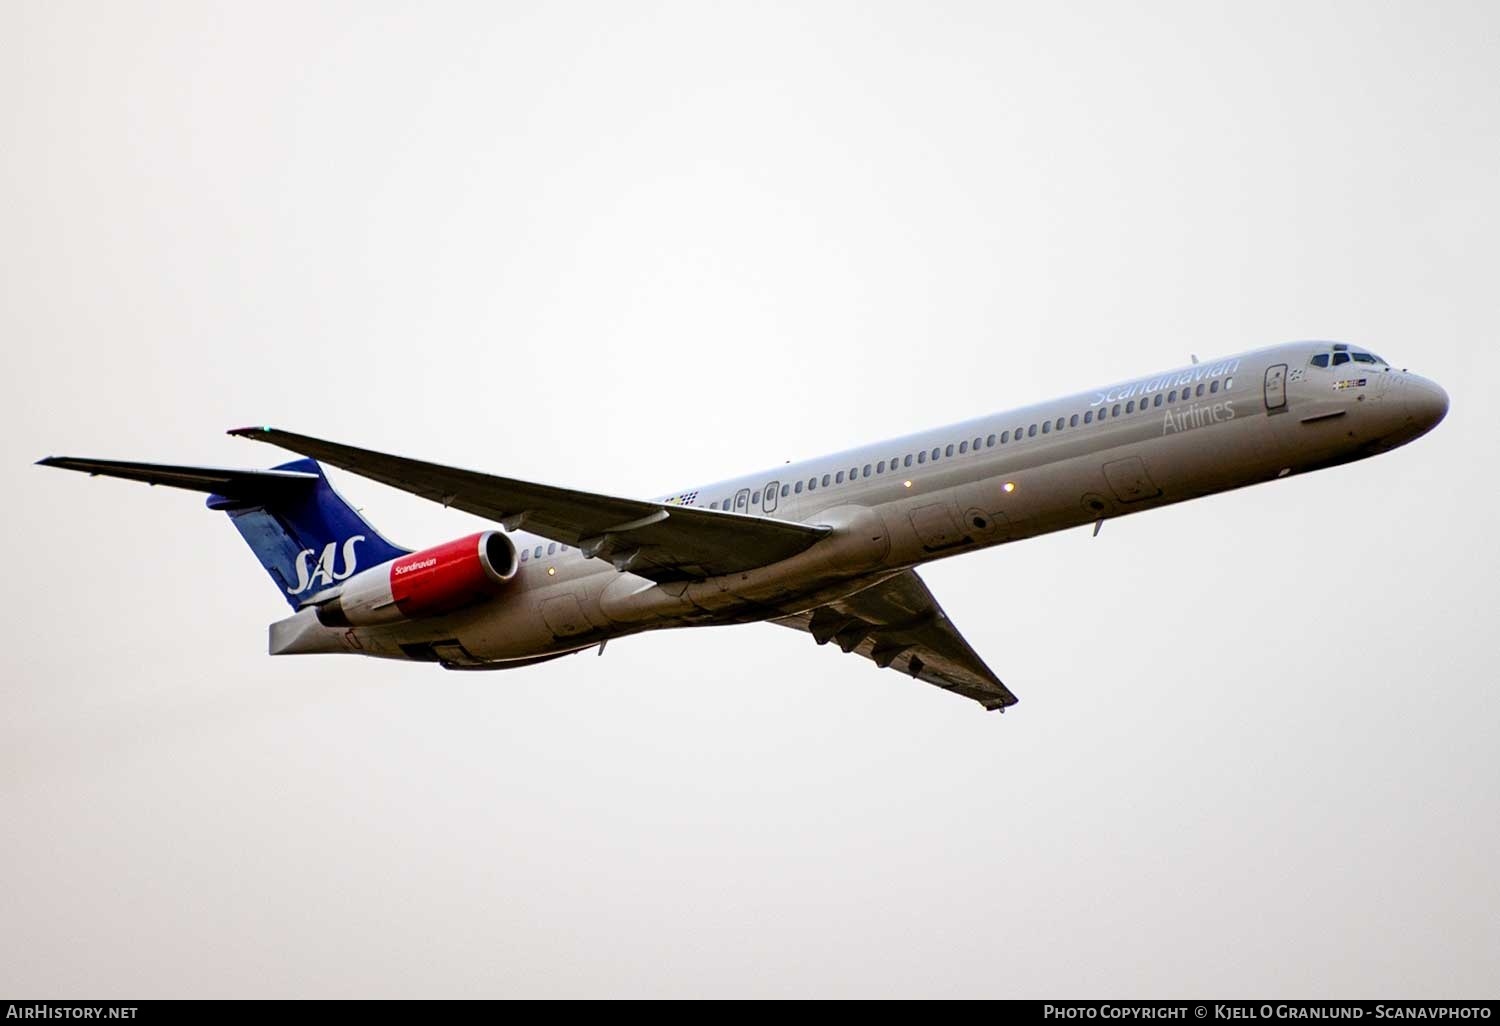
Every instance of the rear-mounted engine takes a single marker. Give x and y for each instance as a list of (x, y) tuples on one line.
[(432, 582)]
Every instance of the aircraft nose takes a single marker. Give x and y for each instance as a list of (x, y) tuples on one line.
[(1426, 403)]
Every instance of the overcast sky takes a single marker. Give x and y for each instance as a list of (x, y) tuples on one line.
[(633, 248)]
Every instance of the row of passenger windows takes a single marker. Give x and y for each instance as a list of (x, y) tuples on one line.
[(552, 549), (743, 502), (812, 484)]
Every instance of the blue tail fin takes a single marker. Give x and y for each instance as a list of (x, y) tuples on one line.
[(307, 537)]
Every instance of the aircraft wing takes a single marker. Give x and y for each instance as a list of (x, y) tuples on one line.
[(656, 540), (898, 624)]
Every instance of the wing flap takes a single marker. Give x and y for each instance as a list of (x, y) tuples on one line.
[(897, 624), (652, 539)]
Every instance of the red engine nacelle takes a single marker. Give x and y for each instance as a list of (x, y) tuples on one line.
[(432, 582)]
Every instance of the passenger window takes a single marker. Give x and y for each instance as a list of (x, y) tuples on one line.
[(976, 441), (867, 470), (1172, 396), (1088, 416), (713, 505), (1213, 386), (853, 473), (552, 549), (1004, 437), (922, 456), (989, 443), (1228, 384), (906, 461), (538, 553), (1340, 358), (825, 480), (812, 484), (839, 478), (948, 451), (1130, 406), (1073, 420), (799, 487), (755, 499), (1157, 401), (880, 467), (739, 501), (1046, 426), (785, 489), (525, 555), (1116, 411), (1059, 424), (963, 447), (1031, 431)]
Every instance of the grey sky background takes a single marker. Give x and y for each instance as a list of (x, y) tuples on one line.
[(633, 248)]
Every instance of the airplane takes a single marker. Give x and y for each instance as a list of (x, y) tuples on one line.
[(828, 546)]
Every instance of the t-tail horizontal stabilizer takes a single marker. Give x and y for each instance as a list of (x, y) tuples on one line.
[(302, 531)]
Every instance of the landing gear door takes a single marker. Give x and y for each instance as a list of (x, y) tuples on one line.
[(934, 525), (563, 617), (1129, 481), (1276, 388)]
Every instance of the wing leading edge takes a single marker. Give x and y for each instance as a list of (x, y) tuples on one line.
[(652, 539), (898, 624)]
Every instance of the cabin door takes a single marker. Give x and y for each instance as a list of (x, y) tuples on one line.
[(1276, 388)]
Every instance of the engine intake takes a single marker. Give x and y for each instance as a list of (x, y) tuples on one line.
[(439, 580)]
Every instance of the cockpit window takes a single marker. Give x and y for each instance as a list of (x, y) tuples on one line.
[(1343, 354)]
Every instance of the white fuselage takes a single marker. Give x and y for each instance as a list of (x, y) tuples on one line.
[(1143, 443)]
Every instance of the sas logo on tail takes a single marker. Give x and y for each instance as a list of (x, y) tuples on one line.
[(323, 571)]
